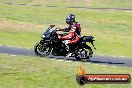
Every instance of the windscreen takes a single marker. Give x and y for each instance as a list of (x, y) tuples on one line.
[(48, 32)]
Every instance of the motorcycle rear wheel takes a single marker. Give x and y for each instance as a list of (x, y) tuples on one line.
[(88, 55)]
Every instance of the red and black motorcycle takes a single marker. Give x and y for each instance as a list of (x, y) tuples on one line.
[(50, 44)]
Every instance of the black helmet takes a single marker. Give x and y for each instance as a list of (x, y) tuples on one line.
[(70, 19)]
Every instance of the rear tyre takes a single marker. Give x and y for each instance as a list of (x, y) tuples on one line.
[(78, 58), (90, 54), (84, 54)]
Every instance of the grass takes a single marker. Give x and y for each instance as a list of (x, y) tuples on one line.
[(20, 34), (112, 29), (19, 38), (89, 3), (47, 2), (112, 3), (16, 1), (35, 72)]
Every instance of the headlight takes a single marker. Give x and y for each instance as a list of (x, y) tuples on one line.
[(43, 36)]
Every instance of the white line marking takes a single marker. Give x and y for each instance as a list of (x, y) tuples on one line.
[(9, 46), (4, 54), (19, 47), (101, 55), (113, 56), (80, 62), (105, 65), (16, 46), (69, 61), (112, 66), (13, 55), (59, 60), (51, 59), (28, 48), (129, 11)]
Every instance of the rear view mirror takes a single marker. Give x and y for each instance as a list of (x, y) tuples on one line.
[(52, 26)]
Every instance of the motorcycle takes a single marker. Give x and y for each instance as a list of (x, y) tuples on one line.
[(50, 44)]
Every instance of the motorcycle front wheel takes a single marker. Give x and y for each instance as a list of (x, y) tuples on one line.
[(41, 51)]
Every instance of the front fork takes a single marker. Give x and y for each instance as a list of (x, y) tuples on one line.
[(45, 46)]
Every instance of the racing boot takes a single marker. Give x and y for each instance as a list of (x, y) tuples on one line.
[(68, 50)]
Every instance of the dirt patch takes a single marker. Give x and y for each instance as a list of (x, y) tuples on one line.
[(5, 66), (42, 1), (88, 1), (19, 26)]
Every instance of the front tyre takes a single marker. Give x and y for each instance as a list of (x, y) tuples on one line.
[(39, 50)]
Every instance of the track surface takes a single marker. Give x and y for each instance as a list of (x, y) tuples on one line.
[(116, 61)]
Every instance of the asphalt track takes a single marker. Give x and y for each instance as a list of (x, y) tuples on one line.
[(115, 61)]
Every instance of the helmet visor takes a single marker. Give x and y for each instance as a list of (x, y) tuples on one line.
[(68, 20)]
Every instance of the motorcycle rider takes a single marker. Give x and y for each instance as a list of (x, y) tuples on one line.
[(74, 35)]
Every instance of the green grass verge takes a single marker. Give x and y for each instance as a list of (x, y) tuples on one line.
[(16, 1), (112, 3), (35, 72), (47, 2), (19, 38)]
